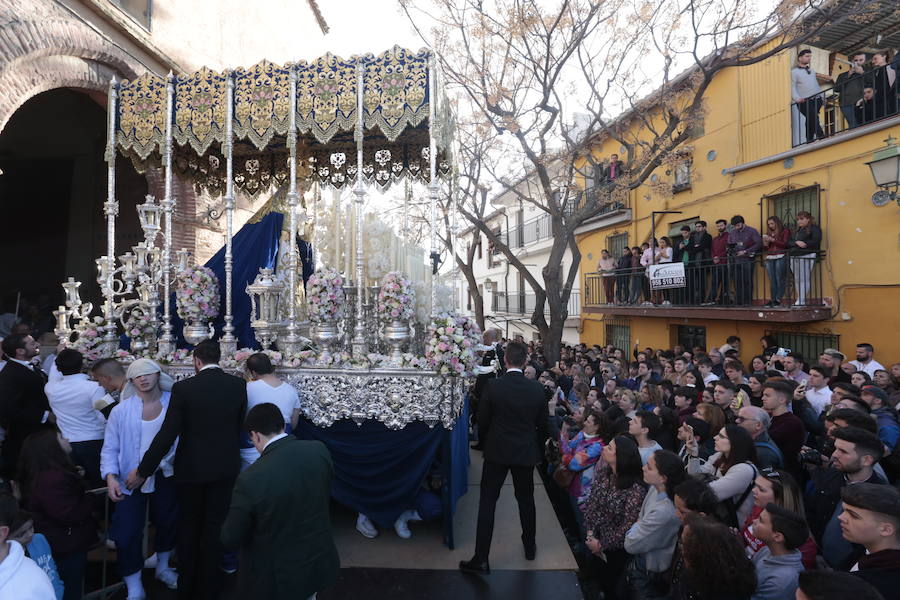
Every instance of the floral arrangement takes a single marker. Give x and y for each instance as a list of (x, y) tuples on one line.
[(396, 298), (88, 339), (450, 344), (407, 360), (325, 296), (177, 356), (197, 294), (124, 356), (335, 359), (138, 324)]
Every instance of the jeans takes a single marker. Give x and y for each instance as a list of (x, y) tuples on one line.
[(127, 528), (609, 283), (801, 267), (776, 268), (622, 288), (850, 116), (743, 282), (809, 108), (719, 283), (637, 284)]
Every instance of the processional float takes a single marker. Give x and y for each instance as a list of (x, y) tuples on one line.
[(272, 127)]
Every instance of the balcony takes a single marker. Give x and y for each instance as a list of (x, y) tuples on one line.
[(844, 106), (514, 303), (733, 291)]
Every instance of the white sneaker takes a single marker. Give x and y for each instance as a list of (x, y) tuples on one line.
[(666, 303), (365, 526), (169, 578), (401, 526), (150, 562), (412, 515), (110, 544)]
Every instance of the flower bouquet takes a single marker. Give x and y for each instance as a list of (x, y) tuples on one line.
[(396, 298), (325, 296), (88, 339), (197, 294), (450, 344)]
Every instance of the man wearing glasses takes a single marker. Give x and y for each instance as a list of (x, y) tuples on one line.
[(756, 422)]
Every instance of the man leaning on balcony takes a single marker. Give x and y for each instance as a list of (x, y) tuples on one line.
[(807, 93)]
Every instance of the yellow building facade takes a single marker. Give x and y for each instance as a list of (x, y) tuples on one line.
[(745, 161)]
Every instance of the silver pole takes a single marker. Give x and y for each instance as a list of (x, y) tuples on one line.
[(111, 209), (433, 184), (168, 205), (359, 331), (228, 342), (292, 340)]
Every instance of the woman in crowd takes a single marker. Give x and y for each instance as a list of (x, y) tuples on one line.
[(715, 565), (613, 506), (651, 540), (780, 488), (804, 247), (775, 240), (266, 387), (582, 452), (663, 256), (693, 378), (707, 396), (692, 496), (56, 495), (758, 364), (37, 548), (755, 382), (712, 414), (732, 468), (132, 425)]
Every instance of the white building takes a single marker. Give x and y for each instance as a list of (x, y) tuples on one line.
[(509, 300)]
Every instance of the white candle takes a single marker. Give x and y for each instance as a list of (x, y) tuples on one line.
[(336, 227)]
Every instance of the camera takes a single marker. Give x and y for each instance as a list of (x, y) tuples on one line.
[(783, 352), (810, 456)]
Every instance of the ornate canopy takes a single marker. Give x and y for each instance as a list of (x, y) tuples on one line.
[(395, 120)]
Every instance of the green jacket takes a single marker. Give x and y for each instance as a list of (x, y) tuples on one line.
[(279, 517)]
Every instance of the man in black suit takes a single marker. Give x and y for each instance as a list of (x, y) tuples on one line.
[(279, 514), (205, 414), (24, 408), (491, 351), (512, 422)]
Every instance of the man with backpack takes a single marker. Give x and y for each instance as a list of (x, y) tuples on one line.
[(756, 422)]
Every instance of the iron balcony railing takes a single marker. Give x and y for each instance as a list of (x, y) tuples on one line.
[(514, 303), (854, 101), (791, 282)]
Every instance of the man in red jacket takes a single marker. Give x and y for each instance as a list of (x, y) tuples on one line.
[(719, 283)]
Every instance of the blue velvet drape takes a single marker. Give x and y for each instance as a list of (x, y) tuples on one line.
[(378, 471)]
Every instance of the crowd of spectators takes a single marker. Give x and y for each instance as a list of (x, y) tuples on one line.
[(79, 432), (718, 270), (686, 473)]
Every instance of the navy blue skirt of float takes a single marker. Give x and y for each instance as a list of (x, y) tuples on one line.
[(378, 471)]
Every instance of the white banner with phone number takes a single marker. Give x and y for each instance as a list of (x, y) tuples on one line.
[(666, 276)]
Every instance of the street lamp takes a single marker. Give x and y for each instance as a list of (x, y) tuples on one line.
[(885, 166)]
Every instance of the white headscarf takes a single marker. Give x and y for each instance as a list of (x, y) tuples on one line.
[(145, 366)]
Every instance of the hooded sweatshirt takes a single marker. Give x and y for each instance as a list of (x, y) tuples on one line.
[(21, 578), (881, 569), (776, 576)]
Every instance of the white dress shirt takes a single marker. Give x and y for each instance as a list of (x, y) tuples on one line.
[(818, 399), (275, 438), (72, 400)]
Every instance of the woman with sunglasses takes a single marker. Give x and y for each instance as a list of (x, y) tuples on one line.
[(731, 466), (778, 487)]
